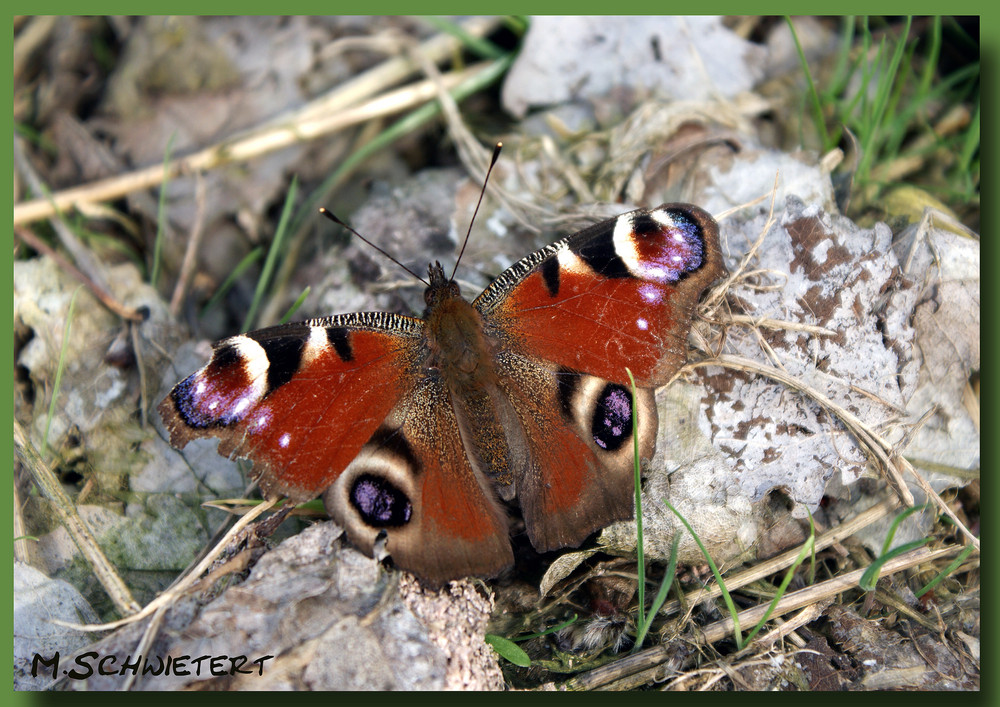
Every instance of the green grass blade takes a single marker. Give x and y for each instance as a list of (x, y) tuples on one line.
[(477, 45), (870, 577), (404, 126), (900, 517), (60, 367), (295, 305), (661, 595), (272, 255), (718, 576), (40, 140), (931, 61), (518, 24), (954, 565), (640, 622), (161, 206), (551, 629), (843, 68), (808, 549), (814, 100), (249, 259), (970, 147), (883, 95)]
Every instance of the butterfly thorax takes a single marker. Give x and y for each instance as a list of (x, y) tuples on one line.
[(458, 346)]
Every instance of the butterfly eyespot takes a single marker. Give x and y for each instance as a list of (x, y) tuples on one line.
[(202, 406), (379, 502), (612, 421)]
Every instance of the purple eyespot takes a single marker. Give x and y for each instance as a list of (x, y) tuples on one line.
[(612, 421), (380, 503)]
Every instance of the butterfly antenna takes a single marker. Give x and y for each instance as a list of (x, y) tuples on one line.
[(333, 217), (493, 161)]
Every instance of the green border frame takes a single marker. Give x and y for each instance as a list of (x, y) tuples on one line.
[(989, 42)]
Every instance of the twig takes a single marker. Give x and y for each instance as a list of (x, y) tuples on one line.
[(68, 516), (26, 236), (653, 657), (148, 636), (769, 323), (819, 592), (718, 293), (176, 591), (785, 559), (472, 154), (21, 551), (239, 149), (807, 615), (82, 257), (191, 252)]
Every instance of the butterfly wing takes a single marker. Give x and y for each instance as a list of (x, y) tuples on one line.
[(353, 404), (571, 317), (579, 439), (345, 404), (620, 293), (413, 482), (299, 400)]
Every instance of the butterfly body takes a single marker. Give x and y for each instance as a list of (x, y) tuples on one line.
[(429, 430)]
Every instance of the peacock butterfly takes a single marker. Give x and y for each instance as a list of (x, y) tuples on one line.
[(429, 429)]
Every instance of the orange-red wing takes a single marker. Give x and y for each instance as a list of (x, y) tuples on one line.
[(298, 400), (621, 293), (413, 482)]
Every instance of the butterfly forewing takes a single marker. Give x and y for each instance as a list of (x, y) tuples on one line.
[(299, 400), (621, 293)]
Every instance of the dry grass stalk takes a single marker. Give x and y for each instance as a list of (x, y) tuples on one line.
[(178, 589), (661, 660), (103, 296), (191, 251), (821, 591), (239, 149), (780, 562), (78, 530)]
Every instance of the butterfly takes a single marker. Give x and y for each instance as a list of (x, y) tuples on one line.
[(426, 433)]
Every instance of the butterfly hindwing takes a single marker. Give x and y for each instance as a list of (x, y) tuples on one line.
[(413, 482), (578, 433)]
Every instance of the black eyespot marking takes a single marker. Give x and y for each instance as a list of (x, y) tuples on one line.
[(694, 238), (379, 502), (602, 257), (645, 225), (550, 275), (394, 441), (225, 355), (284, 354), (341, 342), (612, 422), (204, 409)]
